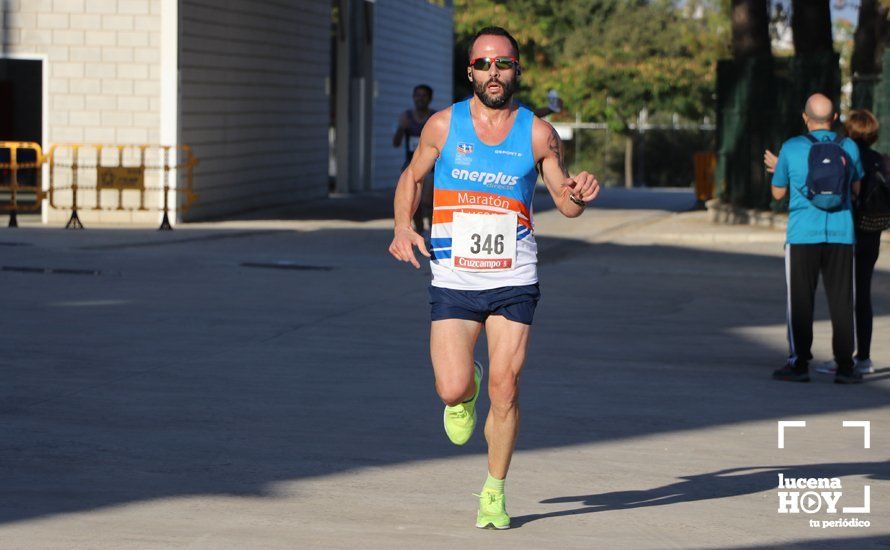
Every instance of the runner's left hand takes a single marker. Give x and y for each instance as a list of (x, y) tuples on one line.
[(584, 186)]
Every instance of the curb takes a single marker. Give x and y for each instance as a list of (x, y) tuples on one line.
[(720, 212), (724, 213)]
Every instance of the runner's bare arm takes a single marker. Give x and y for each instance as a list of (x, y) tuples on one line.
[(408, 190), (549, 156), (400, 131)]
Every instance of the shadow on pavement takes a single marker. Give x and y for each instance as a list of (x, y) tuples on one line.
[(377, 205), (851, 542), (714, 485), (186, 373)]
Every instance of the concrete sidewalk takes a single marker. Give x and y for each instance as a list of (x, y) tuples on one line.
[(266, 384)]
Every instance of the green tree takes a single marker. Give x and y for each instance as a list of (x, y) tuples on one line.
[(655, 55), (610, 59)]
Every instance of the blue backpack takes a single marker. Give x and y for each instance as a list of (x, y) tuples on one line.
[(828, 176)]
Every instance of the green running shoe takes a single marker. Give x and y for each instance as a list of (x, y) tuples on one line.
[(492, 510), (461, 418)]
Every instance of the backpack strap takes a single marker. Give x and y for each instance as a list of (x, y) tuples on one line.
[(811, 138), (839, 139)]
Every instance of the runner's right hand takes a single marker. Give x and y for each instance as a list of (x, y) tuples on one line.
[(402, 246), (770, 160)]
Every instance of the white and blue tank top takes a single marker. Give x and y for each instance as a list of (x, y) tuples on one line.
[(476, 178)]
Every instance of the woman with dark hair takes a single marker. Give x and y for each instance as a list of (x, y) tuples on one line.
[(862, 127)]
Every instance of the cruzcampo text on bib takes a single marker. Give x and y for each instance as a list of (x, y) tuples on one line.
[(484, 242)]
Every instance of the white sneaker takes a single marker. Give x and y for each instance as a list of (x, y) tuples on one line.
[(864, 366), (826, 367)]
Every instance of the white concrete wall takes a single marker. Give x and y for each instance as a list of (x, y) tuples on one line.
[(252, 101), (413, 44), (103, 62), (102, 72)]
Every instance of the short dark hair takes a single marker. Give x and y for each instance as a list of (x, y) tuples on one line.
[(426, 87), (493, 31), (862, 127)]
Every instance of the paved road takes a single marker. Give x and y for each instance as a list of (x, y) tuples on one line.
[(168, 390)]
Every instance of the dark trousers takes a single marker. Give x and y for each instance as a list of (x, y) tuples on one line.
[(803, 264), (868, 246)]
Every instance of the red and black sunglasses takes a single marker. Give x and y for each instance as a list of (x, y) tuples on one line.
[(501, 62)]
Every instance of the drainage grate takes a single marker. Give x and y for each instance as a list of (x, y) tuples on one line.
[(52, 270), (287, 265)]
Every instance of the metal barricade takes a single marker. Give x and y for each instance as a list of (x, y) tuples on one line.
[(20, 178), (131, 178)]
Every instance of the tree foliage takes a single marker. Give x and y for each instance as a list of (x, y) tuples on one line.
[(609, 59)]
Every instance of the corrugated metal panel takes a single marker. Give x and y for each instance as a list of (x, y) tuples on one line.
[(252, 101), (413, 44)]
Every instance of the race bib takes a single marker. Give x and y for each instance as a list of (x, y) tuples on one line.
[(413, 142), (483, 242)]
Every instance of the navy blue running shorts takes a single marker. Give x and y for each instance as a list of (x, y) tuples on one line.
[(516, 303)]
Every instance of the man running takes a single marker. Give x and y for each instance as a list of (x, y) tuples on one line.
[(483, 253), (410, 126)]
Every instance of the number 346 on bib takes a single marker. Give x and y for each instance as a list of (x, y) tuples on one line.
[(483, 242)]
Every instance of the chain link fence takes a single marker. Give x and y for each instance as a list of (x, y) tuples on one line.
[(660, 156)]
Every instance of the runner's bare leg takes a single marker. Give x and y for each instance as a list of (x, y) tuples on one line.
[(452, 342), (507, 346)]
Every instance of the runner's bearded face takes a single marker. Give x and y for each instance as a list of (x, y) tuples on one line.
[(495, 91)]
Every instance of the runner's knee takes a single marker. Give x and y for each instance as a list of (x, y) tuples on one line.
[(454, 390), (503, 391)]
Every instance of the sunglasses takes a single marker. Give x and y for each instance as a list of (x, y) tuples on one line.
[(503, 63)]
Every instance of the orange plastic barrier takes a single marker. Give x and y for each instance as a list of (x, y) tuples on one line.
[(18, 177), (705, 166), (120, 177)]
